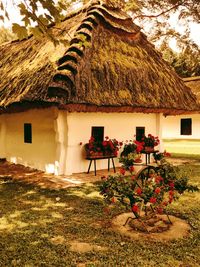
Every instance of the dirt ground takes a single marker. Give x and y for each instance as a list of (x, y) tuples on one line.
[(178, 229), (44, 180)]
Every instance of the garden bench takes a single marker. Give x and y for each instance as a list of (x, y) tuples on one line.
[(94, 158)]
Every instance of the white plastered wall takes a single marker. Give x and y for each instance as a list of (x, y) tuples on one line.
[(121, 126), (56, 136), (41, 152), (172, 127)]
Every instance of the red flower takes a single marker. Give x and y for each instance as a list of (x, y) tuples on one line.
[(133, 177), (158, 179), (165, 203), (91, 139), (167, 154), (104, 143), (157, 190), (139, 191), (171, 184), (131, 169), (170, 199), (113, 199), (122, 171), (140, 146), (121, 143), (171, 193), (135, 208), (153, 200)]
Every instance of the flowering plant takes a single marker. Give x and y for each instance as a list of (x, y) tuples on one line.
[(105, 148), (156, 187), (111, 146), (93, 147), (161, 155), (150, 141), (131, 154)]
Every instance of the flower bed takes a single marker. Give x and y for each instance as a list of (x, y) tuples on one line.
[(152, 191)]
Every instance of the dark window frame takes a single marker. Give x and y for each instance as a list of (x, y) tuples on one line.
[(98, 133), (138, 128), (186, 126), (28, 133)]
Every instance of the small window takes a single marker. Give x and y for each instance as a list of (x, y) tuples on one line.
[(27, 133), (140, 132), (98, 133), (186, 126)]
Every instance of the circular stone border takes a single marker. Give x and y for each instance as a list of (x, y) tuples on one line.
[(179, 228)]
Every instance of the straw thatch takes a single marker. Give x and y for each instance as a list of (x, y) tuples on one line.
[(107, 64), (194, 84)]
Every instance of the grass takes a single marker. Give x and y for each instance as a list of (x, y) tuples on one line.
[(37, 226), (182, 147)]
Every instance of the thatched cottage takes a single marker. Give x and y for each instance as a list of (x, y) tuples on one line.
[(184, 126), (107, 77)]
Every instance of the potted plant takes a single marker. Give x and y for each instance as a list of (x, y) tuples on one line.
[(93, 148), (109, 147), (158, 156), (131, 154), (149, 142)]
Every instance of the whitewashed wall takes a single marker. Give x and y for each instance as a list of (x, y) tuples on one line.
[(172, 127), (40, 153), (56, 136), (120, 126)]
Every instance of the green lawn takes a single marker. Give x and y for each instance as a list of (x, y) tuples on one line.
[(38, 225), (190, 147)]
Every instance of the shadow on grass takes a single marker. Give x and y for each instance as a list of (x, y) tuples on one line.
[(37, 226)]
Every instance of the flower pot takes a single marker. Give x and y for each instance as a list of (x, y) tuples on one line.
[(149, 149)]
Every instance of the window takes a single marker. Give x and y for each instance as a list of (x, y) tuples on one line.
[(27, 133), (140, 132), (186, 126), (98, 133)]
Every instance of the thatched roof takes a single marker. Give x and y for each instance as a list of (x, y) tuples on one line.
[(106, 65), (194, 84)]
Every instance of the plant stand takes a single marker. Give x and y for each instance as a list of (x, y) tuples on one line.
[(98, 158), (148, 155)]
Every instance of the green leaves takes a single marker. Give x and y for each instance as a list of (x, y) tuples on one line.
[(36, 32), (44, 12), (20, 31)]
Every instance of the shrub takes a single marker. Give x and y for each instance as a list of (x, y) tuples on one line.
[(156, 188)]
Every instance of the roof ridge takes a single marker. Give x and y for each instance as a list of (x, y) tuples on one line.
[(67, 64), (189, 79)]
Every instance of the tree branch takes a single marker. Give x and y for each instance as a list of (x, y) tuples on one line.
[(160, 14)]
